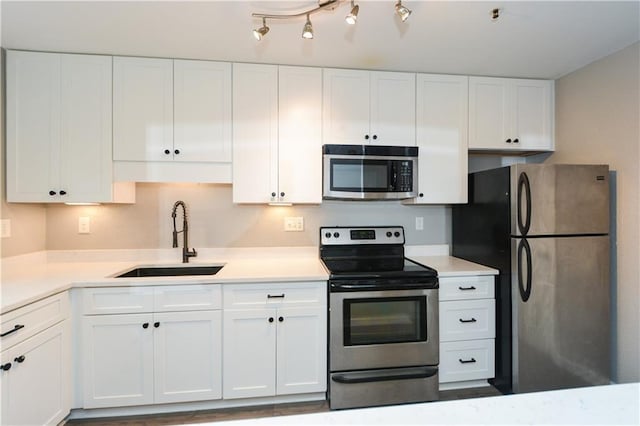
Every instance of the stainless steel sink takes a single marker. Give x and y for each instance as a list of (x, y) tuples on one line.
[(170, 271)]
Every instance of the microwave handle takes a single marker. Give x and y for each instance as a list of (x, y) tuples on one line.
[(394, 175)]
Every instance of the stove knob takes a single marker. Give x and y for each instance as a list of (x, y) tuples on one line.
[(396, 234), (388, 234), (328, 235), (336, 234)]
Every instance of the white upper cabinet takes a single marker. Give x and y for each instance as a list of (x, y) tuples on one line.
[(442, 118), (508, 114), (168, 112), (277, 151), (366, 107), (59, 129)]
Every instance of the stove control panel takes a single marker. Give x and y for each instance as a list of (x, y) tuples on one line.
[(340, 235)]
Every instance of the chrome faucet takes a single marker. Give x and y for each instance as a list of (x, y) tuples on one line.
[(186, 253)]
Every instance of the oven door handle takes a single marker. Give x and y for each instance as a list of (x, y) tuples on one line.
[(383, 375)]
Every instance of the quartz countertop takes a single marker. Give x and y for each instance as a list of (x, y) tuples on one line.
[(448, 266), (597, 405)]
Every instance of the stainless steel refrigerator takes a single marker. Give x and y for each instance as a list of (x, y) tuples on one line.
[(546, 229)]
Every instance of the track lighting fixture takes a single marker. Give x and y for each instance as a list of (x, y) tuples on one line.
[(258, 33), (402, 11), (352, 17), (307, 30)]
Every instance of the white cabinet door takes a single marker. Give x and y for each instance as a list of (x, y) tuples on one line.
[(36, 389), (202, 111), (533, 114), (489, 113), (299, 129), (393, 109), (118, 360), (142, 109), (249, 353), (346, 100), (301, 350), (255, 133), (442, 117), (187, 356)]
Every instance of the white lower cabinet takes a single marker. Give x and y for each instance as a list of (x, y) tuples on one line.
[(151, 357), (467, 331), (274, 339)]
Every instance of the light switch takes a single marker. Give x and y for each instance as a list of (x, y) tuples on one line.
[(419, 223), (84, 225), (6, 228), (295, 224)]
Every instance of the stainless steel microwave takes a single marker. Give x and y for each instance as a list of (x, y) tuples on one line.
[(369, 172)]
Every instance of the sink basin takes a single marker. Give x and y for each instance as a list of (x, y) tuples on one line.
[(169, 271)]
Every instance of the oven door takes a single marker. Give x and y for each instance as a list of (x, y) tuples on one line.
[(383, 329)]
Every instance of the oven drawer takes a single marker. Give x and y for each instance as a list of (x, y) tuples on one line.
[(463, 288), (467, 320), (249, 296), (467, 360)]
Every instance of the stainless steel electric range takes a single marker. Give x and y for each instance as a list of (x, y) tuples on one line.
[(383, 319)]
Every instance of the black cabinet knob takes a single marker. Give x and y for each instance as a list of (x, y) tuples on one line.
[(145, 325), (270, 319), (156, 324), (177, 151), (375, 137), (280, 319), (52, 193), (273, 194), (5, 367), (421, 195), (516, 140), (366, 137), (508, 140), (63, 192), (282, 194), (20, 359), (166, 151)]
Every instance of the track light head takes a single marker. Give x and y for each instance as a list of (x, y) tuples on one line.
[(307, 30), (402, 11), (352, 17), (258, 33)]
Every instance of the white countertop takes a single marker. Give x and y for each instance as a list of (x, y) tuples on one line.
[(28, 278), (598, 405)]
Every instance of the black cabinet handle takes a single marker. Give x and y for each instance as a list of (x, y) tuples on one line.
[(467, 361), (282, 194), (52, 193), (421, 195), (469, 320), (273, 194), (508, 140), (5, 367), (177, 151), (13, 330), (275, 296), (63, 192), (145, 325), (466, 288), (375, 137), (20, 359), (270, 319), (166, 151), (366, 137), (156, 324), (280, 319), (516, 140)]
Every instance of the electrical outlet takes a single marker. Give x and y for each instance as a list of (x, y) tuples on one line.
[(84, 225), (6, 228), (294, 224), (419, 223)]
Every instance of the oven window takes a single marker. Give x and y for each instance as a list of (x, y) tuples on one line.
[(381, 320), (360, 175)]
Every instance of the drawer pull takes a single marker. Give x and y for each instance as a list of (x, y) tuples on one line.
[(275, 296), (466, 288), (5, 367), (145, 325), (469, 320), (13, 330), (467, 361), (20, 359)]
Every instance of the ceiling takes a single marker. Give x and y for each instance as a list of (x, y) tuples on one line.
[(533, 39)]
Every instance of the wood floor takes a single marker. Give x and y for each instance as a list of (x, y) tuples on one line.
[(251, 412)]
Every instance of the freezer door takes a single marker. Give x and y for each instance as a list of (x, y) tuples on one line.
[(561, 320), (559, 199)]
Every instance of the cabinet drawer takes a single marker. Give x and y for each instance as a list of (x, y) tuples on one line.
[(24, 322), (471, 287), (117, 300), (467, 360), (467, 320), (187, 298), (248, 296)]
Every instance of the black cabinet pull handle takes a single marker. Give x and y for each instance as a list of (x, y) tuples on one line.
[(421, 195), (20, 359), (273, 194), (282, 194), (6, 367), (280, 319), (13, 330), (469, 320), (466, 288), (166, 151), (508, 140), (366, 137), (177, 151), (275, 296), (516, 140), (467, 361), (52, 193), (156, 324), (375, 137), (63, 192), (145, 325), (270, 319)]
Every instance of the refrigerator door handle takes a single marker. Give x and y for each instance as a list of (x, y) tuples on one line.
[(523, 183), (525, 288)]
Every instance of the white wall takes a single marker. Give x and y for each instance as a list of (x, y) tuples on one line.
[(597, 121)]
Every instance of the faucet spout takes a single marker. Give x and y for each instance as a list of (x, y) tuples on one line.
[(186, 253)]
